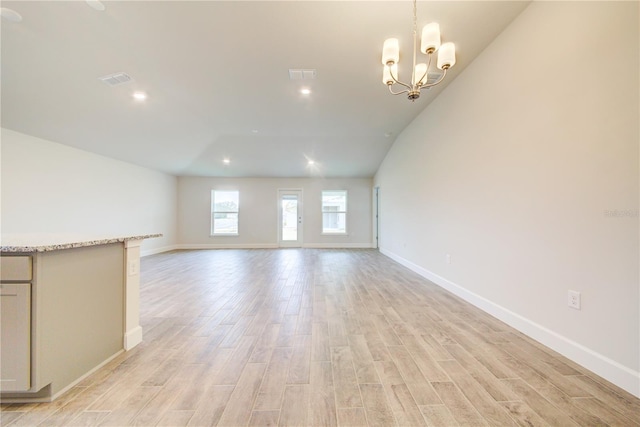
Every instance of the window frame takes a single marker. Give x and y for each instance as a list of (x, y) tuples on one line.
[(345, 212), (212, 232)]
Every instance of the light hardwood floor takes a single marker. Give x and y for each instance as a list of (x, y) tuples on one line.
[(323, 338)]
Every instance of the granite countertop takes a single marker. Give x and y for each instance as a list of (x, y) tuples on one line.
[(53, 242)]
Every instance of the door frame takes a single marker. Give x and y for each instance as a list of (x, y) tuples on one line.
[(290, 244), (376, 217)]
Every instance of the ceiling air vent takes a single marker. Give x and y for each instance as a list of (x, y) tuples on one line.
[(116, 79), (302, 74)]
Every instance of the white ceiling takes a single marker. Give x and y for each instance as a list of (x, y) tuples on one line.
[(216, 72)]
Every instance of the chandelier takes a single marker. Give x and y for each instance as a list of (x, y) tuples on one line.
[(420, 72)]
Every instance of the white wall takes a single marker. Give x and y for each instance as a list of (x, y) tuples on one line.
[(515, 170), (258, 217), (53, 188)]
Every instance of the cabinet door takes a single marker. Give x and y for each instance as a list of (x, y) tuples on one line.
[(15, 341)]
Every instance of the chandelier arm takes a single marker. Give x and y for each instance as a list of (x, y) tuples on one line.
[(425, 74), (397, 93), (398, 81), (437, 81)]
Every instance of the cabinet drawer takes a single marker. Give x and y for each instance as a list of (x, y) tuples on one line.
[(15, 268)]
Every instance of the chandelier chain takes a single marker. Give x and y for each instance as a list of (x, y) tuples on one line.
[(415, 37), (415, 17)]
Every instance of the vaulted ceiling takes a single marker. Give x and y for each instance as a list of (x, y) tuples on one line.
[(217, 80)]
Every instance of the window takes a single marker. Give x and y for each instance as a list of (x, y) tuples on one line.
[(334, 212), (224, 213)]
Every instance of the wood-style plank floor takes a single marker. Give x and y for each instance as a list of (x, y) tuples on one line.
[(305, 337)]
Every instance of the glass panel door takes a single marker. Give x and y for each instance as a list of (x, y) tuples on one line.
[(290, 218)]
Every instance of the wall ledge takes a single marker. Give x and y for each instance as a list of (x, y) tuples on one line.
[(620, 375)]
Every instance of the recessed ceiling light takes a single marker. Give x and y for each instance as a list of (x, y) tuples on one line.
[(311, 163), (305, 91), (140, 96), (10, 15), (95, 4), (226, 161)]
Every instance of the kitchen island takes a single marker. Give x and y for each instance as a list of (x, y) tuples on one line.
[(70, 304)]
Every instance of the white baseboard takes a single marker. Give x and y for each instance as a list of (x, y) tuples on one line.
[(599, 364), (132, 338), (25, 398), (337, 245), (158, 250), (271, 246), (82, 378), (228, 246)]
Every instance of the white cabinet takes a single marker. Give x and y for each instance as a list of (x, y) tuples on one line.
[(62, 317), (67, 308), (15, 342), (17, 268), (16, 273)]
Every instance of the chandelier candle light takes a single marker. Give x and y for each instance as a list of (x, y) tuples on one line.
[(419, 77)]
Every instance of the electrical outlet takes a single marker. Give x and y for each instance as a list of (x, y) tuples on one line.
[(448, 259), (573, 299), (133, 267)]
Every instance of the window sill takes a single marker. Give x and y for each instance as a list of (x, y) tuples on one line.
[(224, 235), (334, 234)]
